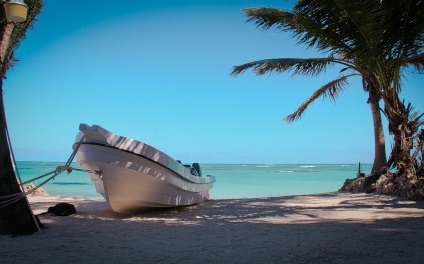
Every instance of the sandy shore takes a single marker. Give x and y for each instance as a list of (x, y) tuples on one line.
[(322, 228)]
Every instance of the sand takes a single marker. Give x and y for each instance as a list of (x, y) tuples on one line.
[(321, 228)]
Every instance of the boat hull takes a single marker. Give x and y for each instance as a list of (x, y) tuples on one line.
[(131, 181)]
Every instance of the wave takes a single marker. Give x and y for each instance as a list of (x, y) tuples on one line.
[(295, 171)]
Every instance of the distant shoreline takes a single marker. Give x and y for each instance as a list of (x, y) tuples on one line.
[(232, 181), (210, 163)]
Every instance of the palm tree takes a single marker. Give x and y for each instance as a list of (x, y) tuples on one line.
[(378, 38), (384, 37), (268, 17), (15, 218), (407, 34), (331, 90)]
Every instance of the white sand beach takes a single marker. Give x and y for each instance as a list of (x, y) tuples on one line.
[(321, 228)]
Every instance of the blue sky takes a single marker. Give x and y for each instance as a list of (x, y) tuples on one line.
[(159, 71)]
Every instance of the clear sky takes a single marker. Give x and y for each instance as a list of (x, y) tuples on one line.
[(158, 72)]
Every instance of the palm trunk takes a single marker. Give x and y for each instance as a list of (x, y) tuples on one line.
[(15, 218), (380, 159), (403, 135), (5, 44), (405, 181)]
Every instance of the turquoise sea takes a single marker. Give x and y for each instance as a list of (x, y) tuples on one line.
[(232, 180)]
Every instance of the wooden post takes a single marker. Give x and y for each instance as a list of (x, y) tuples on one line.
[(360, 174)]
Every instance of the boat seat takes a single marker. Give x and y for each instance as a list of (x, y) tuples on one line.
[(196, 167)]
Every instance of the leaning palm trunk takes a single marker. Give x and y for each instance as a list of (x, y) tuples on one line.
[(15, 218), (15, 215), (5, 41), (380, 160)]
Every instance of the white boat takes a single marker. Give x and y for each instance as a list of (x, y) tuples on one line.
[(132, 175)]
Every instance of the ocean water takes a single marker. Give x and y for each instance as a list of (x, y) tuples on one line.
[(232, 180)]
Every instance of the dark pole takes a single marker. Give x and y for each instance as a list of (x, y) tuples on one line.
[(359, 171), (15, 218)]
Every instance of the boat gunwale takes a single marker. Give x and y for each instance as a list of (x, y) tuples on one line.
[(212, 178), (114, 141)]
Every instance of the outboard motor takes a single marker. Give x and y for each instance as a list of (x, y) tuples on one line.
[(196, 167)]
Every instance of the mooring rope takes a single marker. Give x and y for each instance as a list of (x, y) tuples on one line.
[(11, 198), (37, 178), (6, 200)]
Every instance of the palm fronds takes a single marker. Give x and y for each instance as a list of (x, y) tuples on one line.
[(304, 67), (416, 61), (330, 90), (266, 18)]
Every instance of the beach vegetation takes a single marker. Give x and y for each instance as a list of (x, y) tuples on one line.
[(373, 39), (16, 217)]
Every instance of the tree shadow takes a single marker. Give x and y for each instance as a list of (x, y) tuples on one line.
[(322, 228)]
